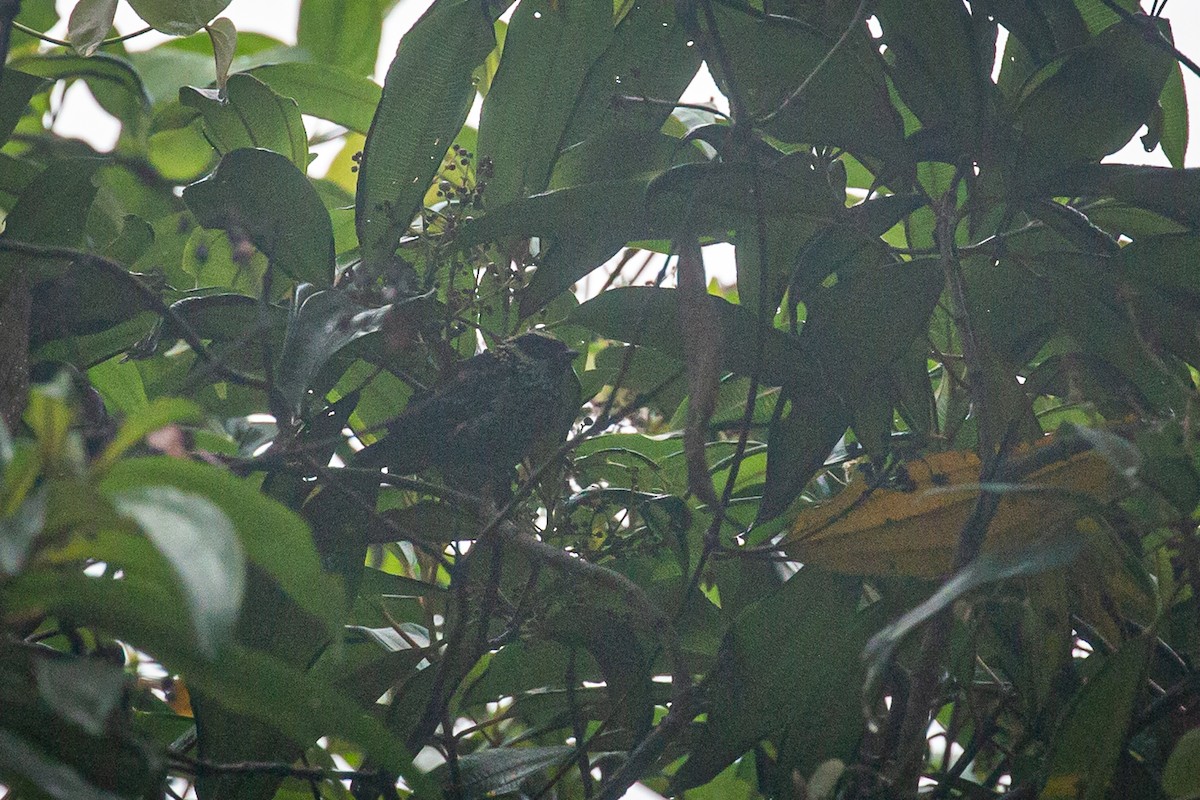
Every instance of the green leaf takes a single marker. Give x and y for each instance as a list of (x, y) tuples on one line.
[(548, 50), (202, 545), (224, 43), (271, 536), (261, 194), (1175, 118), (324, 91), (321, 324), (16, 90), (1173, 193), (18, 531), (648, 55), (499, 771), (21, 758), (82, 691), (178, 19), (90, 22), (1068, 111), (649, 316), (1090, 740), (52, 210), (786, 668), (341, 33), (426, 97), (846, 104), (935, 65), (248, 114), (116, 84), (160, 413), (1181, 776)]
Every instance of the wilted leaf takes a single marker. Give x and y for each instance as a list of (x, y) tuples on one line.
[(913, 529)]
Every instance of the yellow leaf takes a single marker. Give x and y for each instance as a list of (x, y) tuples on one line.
[(914, 531)]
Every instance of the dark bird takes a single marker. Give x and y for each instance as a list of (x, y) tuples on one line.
[(475, 427)]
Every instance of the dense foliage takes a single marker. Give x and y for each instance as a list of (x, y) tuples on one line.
[(955, 379)]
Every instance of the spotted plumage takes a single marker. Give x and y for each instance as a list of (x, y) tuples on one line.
[(479, 424)]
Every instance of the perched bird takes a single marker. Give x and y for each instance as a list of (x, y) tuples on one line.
[(479, 424)]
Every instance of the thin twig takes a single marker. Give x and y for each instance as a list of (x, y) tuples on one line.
[(860, 14), (148, 295), (61, 43), (1155, 37)]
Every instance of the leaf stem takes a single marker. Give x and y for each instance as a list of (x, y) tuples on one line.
[(62, 43), (150, 297)]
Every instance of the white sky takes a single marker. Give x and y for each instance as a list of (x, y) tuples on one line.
[(81, 117)]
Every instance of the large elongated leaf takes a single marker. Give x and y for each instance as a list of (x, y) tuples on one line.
[(784, 672), (272, 537), (651, 54), (200, 542), (1070, 113), (117, 85), (1090, 740), (1173, 193), (343, 34), (324, 91), (846, 103), (937, 68), (548, 50), (16, 89), (650, 316), (426, 96), (52, 210)]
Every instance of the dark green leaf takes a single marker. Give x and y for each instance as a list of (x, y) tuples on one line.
[(248, 114), (82, 691), (1092, 738), (648, 56), (548, 51), (52, 210), (324, 91), (649, 316), (178, 19), (1181, 776), (90, 22), (259, 194), (500, 771), (846, 104), (784, 672), (16, 89), (1067, 113), (22, 759), (199, 540), (426, 97), (117, 85), (1173, 193), (341, 33)]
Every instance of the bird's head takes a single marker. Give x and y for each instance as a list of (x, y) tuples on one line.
[(543, 348)]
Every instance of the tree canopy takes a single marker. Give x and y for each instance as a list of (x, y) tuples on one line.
[(907, 502)]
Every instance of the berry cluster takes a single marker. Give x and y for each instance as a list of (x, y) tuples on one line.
[(458, 185)]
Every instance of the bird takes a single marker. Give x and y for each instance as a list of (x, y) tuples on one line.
[(479, 424)]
